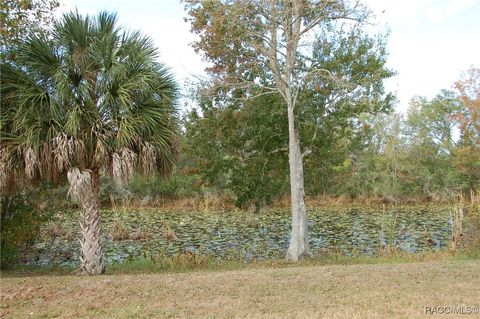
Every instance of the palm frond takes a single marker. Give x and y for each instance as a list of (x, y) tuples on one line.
[(91, 96)]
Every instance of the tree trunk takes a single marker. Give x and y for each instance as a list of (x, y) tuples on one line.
[(91, 257), (299, 246)]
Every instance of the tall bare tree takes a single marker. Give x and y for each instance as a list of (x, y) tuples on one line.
[(266, 45)]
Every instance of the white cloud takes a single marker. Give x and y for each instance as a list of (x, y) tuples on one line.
[(161, 20), (439, 10), (70, 5), (430, 43), (417, 11)]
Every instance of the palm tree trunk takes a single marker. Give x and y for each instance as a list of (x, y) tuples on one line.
[(91, 257), (299, 246)]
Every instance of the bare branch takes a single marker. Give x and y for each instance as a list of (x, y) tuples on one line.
[(278, 150)]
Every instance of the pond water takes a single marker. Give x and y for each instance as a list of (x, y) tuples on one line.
[(247, 236)]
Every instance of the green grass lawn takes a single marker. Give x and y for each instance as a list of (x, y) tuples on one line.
[(379, 290)]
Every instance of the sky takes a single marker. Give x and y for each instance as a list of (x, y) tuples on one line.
[(431, 42)]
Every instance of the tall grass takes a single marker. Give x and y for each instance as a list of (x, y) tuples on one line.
[(472, 230), (457, 220), (465, 222)]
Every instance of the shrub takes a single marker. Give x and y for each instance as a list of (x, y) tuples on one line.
[(21, 219)]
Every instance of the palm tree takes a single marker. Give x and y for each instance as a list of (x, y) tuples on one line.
[(89, 99)]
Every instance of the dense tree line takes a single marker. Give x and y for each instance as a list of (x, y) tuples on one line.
[(430, 152), (237, 150)]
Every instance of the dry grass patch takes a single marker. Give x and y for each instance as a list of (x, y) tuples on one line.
[(349, 291)]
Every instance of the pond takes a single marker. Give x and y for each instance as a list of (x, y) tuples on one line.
[(245, 236)]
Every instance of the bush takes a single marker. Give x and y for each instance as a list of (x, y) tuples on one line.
[(21, 219), (178, 185)]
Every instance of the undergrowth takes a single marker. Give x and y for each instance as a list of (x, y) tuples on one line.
[(190, 262)]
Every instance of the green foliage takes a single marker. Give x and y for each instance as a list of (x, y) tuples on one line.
[(338, 93), (19, 18), (90, 96), (242, 145), (178, 185), (467, 154), (416, 155), (241, 148), (372, 168), (330, 113), (22, 215), (388, 156)]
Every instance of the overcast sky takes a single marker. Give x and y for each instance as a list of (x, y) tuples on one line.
[(431, 41)]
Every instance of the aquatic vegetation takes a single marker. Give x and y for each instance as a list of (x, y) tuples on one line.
[(247, 236)]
